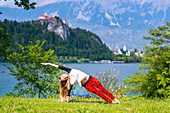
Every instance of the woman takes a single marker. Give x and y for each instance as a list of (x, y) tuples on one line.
[(89, 82)]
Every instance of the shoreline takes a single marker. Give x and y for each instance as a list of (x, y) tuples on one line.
[(97, 62)]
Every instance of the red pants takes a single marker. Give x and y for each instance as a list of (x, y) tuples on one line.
[(92, 87)]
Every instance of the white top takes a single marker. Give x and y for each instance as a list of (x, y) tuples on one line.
[(76, 76)]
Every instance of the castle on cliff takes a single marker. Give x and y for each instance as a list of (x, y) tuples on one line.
[(46, 17), (56, 24)]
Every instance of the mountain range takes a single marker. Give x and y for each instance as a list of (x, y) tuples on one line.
[(116, 22)]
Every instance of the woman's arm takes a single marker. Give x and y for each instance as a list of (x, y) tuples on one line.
[(68, 93), (50, 64), (57, 66)]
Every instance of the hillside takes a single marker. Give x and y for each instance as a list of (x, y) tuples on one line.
[(59, 37)]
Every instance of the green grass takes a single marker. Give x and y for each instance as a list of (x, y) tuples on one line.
[(34, 105)]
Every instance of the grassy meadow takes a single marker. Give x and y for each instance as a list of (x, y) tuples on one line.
[(35, 105)]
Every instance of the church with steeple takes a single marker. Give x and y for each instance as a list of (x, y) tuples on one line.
[(122, 51)]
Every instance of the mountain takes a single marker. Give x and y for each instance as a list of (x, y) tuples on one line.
[(117, 22)]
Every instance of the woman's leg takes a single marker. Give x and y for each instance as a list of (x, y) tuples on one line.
[(92, 89), (97, 84)]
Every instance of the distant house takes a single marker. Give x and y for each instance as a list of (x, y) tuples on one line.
[(52, 18), (64, 21), (116, 52), (136, 53), (139, 53), (43, 17), (127, 53), (121, 50)]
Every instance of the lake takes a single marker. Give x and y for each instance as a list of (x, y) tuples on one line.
[(7, 82)]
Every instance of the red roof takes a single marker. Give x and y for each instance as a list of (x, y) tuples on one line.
[(115, 52), (52, 18), (44, 16)]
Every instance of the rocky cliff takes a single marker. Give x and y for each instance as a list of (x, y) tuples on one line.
[(56, 25)]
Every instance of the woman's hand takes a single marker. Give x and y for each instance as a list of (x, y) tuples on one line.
[(50, 64), (64, 77), (45, 64), (68, 98)]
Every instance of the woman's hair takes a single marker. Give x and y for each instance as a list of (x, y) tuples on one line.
[(64, 87), (65, 83)]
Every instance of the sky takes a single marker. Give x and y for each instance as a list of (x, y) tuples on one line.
[(10, 3), (6, 2)]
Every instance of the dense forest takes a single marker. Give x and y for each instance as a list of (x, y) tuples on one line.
[(80, 43)]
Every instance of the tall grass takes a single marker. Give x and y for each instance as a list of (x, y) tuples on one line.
[(35, 105)]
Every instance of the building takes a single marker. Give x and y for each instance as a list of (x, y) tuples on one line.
[(139, 53), (124, 48), (64, 21), (52, 18), (116, 52), (43, 17), (46, 17), (121, 51), (128, 53)]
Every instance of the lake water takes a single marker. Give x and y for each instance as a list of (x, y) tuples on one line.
[(7, 82)]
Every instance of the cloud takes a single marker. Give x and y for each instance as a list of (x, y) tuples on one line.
[(7, 3), (46, 2)]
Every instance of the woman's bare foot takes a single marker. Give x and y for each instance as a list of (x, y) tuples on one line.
[(117, 102)]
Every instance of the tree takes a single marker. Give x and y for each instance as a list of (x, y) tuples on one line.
[(34, 78), (136, 50), (154, 81), (5, 39), (25, 3)]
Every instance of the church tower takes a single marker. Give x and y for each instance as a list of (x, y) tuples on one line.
[(124, 48)]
